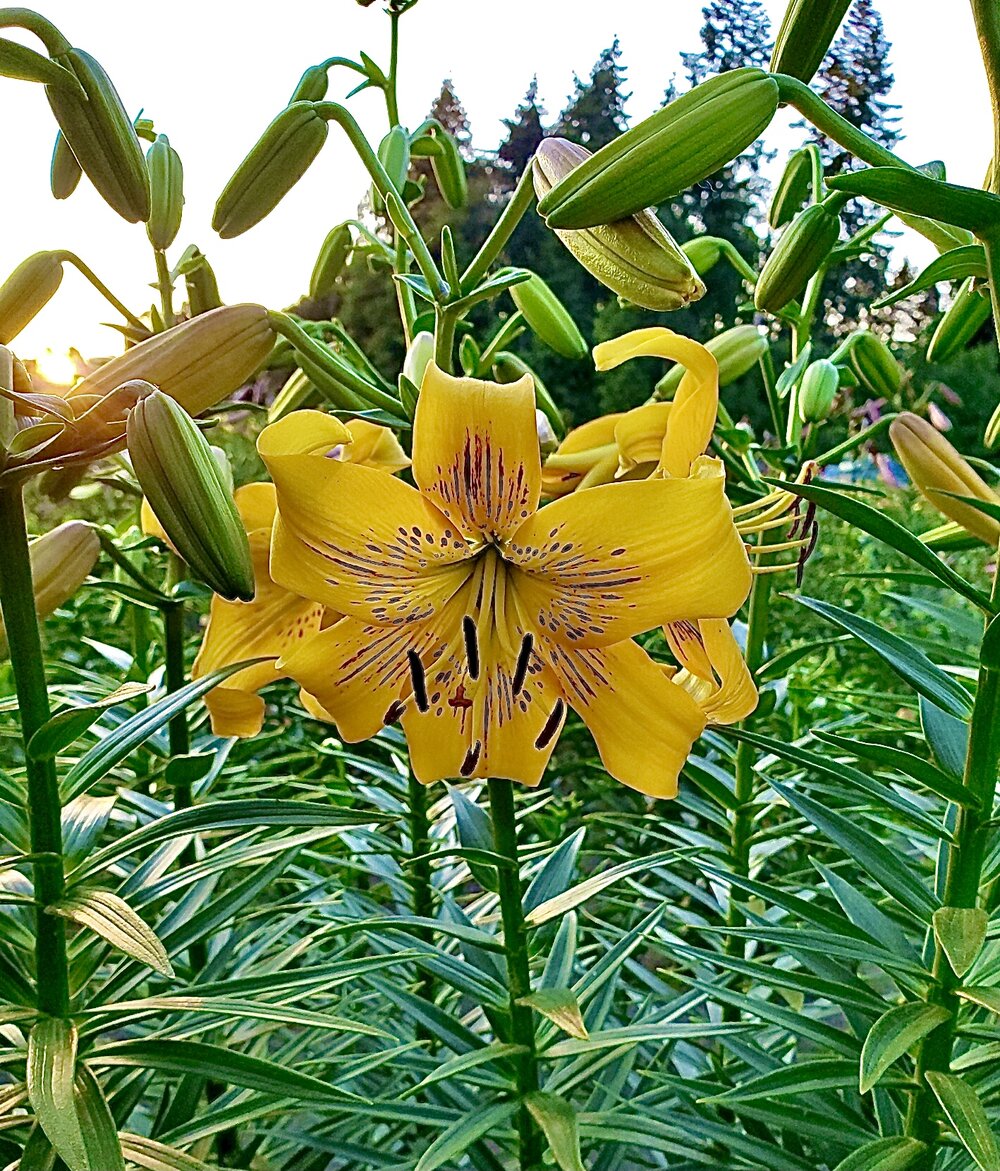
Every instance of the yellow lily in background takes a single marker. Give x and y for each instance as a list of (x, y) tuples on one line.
[(475, 617), (278, 618), (674, 435)]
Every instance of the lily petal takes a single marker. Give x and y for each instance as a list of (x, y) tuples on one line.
[(643, 724), (696, 402), (714, 672), (600, 566), (475, 451), (373, 446), (639, 435), (351, 537)]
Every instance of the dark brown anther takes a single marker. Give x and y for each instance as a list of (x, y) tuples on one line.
[(471, 636), (393, 712), (806, 553), (523, 659), (552, 724), (419, 680), (471, 759)]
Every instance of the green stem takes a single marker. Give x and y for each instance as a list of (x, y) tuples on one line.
[(17, 601), (503, 229), (854, 441), (391, 100), (404, 294), (963, 874), (746, 757), (165, 288), (45, 30), (737, 263), (770, 378), (102, 288), (173, 646), (987, 17), (444, 339), (515, 942), (511, 328)]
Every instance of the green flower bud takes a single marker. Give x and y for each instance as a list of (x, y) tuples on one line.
[(689, 139), (961, 321), (817, 390), (275, 164), (873, 365), (296, 392), (806, 32), (449, 170), (394, 155), (330, 262), (801, 249), (312, 85), (636, 257), (736, 350), (179, 475), (27, 290), (418, 355), (704, 252), (793, 188), (101, 136), (547, 317), (64, 174), (166, 190), (202, 287), (508, 367)]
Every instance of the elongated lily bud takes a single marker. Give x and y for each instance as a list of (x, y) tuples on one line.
[(935, 466), (61, 561), (272, 168), (873, 365), (636, 257), (689, 139), (792, 190), (704, 252), (961, 321), (197, 362), (817, 391), (179, 475), (807, 31), (798, 255), (201, 285), (166, 189), (736, 350), (394, 155), (101, 136), (27, 290), (418, 354), (65, 172), (312, 85), (449, 170), (547, 317), (330, 262)]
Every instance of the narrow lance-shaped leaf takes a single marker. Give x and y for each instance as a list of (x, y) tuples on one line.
[(52, 1046), (965, 1113), (893, 1034), (961, 933), (558, 1123), (113, 920)]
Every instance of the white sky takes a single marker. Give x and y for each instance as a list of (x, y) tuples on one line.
[(212, 74)]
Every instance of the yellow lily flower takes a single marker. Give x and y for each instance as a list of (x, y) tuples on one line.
[(674, 435), (475, 617), (277, 618)]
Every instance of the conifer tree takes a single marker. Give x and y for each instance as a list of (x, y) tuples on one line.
[(524, 132), (596, 112)]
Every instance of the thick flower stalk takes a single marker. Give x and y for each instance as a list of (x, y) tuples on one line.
[(476, 618)]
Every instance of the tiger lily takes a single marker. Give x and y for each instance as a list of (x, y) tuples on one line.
[(664, 440), (477, 618), (277, 618)]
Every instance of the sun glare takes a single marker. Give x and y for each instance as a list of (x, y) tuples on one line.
[(59, 369)]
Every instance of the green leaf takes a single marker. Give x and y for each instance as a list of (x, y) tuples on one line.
[(801, 1077), (463, 1133), (883, 864), (115, 747), (893, 1034), (560, 1006), (965, 1112), (100, 1135), (475, 832), (24, 64), (922, 771), (220, 1064), (911, 664), (556, 872), (239, 813), (463, 1062), (947, 736), (64, 727), (955, 264), (863, 516), (961, 932), (904, 190), (986, 997), (51, 1071), (151, 1155), (585, 890), (113, 920), (557, 1120), (638, 1034), (884, 1154)]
